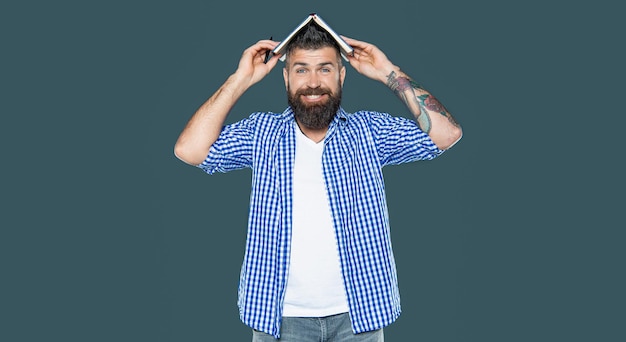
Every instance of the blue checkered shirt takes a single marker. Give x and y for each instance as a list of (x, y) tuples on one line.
[(357, 146)]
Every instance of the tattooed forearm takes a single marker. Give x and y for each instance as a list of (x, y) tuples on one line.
[(423, 120), (420, 105), (431, 103), (399, 84), (405, 88)]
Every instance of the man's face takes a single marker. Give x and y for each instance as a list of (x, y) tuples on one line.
[(313, 79)]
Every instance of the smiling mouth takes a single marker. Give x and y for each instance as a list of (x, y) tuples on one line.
[(312, 97)]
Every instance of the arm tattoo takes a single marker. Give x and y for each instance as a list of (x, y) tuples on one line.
[(399, 84), (404, 88)]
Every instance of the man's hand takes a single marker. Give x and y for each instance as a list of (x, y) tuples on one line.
[(252, 67), (369, 60)]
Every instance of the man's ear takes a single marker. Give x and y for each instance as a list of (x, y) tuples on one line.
[(342, 74), (286, 77)]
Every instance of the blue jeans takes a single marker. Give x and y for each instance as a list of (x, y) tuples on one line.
[(335, 328)]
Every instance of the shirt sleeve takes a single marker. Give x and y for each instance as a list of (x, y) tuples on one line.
[(400, 140), (232, 150)]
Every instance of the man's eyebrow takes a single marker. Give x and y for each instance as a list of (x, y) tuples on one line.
[(318, 64)]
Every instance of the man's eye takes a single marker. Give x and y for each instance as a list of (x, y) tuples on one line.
[(300, 71)]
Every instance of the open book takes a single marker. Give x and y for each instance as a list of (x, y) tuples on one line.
[(345, 49)]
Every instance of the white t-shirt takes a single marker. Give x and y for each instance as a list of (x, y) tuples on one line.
[(314, 285)]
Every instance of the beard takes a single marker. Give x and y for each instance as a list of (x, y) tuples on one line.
[(318, 115)]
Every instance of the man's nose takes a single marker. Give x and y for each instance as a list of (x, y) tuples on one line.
[(313, 81)]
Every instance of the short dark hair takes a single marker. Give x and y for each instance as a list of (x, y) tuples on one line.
[(312, 37)]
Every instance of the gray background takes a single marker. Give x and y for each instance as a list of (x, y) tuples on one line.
[(516, 234)]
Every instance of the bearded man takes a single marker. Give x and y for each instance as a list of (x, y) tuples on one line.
[(318, 264)]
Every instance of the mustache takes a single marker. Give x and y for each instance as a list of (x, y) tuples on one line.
[(313, 91)]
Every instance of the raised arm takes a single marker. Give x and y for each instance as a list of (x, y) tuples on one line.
[(431, 116), (205, 125)]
